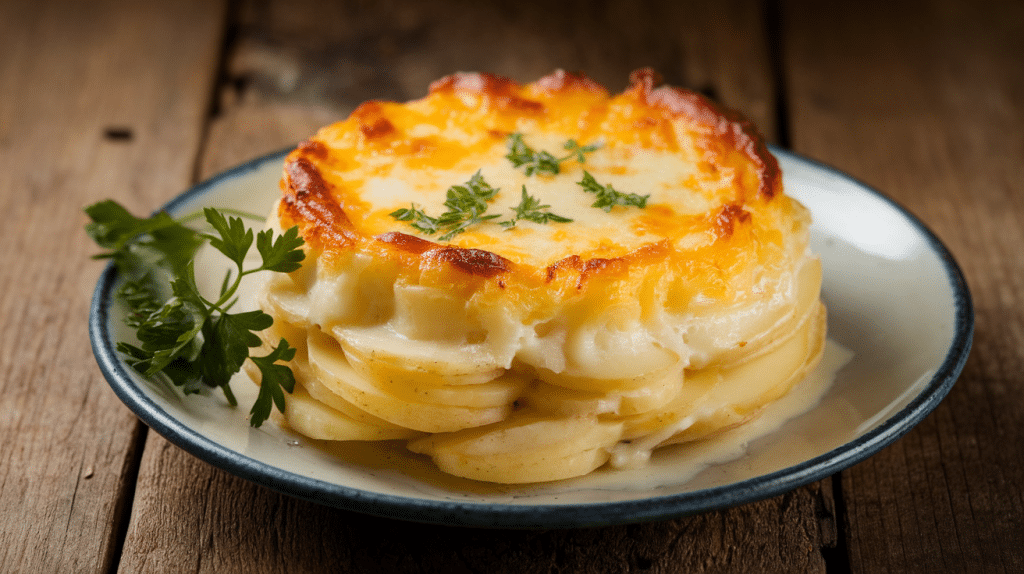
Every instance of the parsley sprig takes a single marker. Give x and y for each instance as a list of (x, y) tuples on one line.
[(545, 162), (191, 340), (530, 209), (608, 196), (466, 205)]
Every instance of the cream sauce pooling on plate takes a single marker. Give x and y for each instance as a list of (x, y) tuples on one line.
[(666, 467), (680, 463)]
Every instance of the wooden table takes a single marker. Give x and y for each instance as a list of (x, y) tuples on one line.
[(137, 100)]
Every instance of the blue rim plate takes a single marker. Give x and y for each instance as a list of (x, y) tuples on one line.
[(899, 310)]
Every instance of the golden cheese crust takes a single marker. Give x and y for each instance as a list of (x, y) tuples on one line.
[(702, 224), (520, 350)]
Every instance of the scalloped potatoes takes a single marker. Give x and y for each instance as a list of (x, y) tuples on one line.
[(541, 350)]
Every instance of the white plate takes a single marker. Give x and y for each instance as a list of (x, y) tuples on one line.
[(896, 300)]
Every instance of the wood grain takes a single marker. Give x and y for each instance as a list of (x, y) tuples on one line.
[(100, 99), (297, 66), (926, 102), (194, 518)]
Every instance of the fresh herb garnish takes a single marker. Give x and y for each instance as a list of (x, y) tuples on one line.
[(530, 209), (535, 161), (181, 334), (467, 203), (466, 206), (608, 196)]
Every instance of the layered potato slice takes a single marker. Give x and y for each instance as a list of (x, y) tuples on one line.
[(531, 281), (312, 408), (412, 409), (527, 447)]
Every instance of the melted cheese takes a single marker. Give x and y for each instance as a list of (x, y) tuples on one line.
[(639, 324)]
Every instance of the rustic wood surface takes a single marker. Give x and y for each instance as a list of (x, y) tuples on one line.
[(135, 101), (98, 99), (926, 101)]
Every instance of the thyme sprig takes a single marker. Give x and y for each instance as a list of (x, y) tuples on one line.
[(533, 161), (608, 197), (466, 205), (531, 209)]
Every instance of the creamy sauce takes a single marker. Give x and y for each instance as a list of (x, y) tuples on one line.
[(667, 467), (681, 462)]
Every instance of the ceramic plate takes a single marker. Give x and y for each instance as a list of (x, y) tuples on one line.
[(900, 328)]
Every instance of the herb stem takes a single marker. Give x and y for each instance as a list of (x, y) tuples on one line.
[(224, 303), (239, 212), (230, 292), (229, 395)]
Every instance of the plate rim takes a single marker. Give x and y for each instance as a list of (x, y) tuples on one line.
[(498, 515)]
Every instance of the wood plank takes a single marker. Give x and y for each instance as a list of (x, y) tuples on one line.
[(299, 65), (100, 99), (296, 68), (926, 102), (190, 517)]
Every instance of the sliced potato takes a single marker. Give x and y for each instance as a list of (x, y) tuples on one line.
[(590, 384), (530, 467), (692, 395), (377, 354), (286, 302), (528, 447), (296, 337), (719, 399), (314, 419), (321, 392), (415, 386), (333, 371), (572, 402), (747, 388), (766, 337)]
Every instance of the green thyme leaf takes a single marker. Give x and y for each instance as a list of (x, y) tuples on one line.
[(419, 219), (578, 151), (531, 209), (608, 197), (533, 161), (466, 205)]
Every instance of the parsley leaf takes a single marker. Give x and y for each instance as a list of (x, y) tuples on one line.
[(133, 242), (274, 377), (530, 209), (181, 335), (535, 161), (284, 254), (235, 239), (170, 332), (142, 298), (608, 196), (228, 338)]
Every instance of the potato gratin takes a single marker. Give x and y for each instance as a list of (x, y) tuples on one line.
[(667, 295)]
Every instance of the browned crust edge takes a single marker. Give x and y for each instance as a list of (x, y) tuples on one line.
[(308, 202), (728, 124)]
